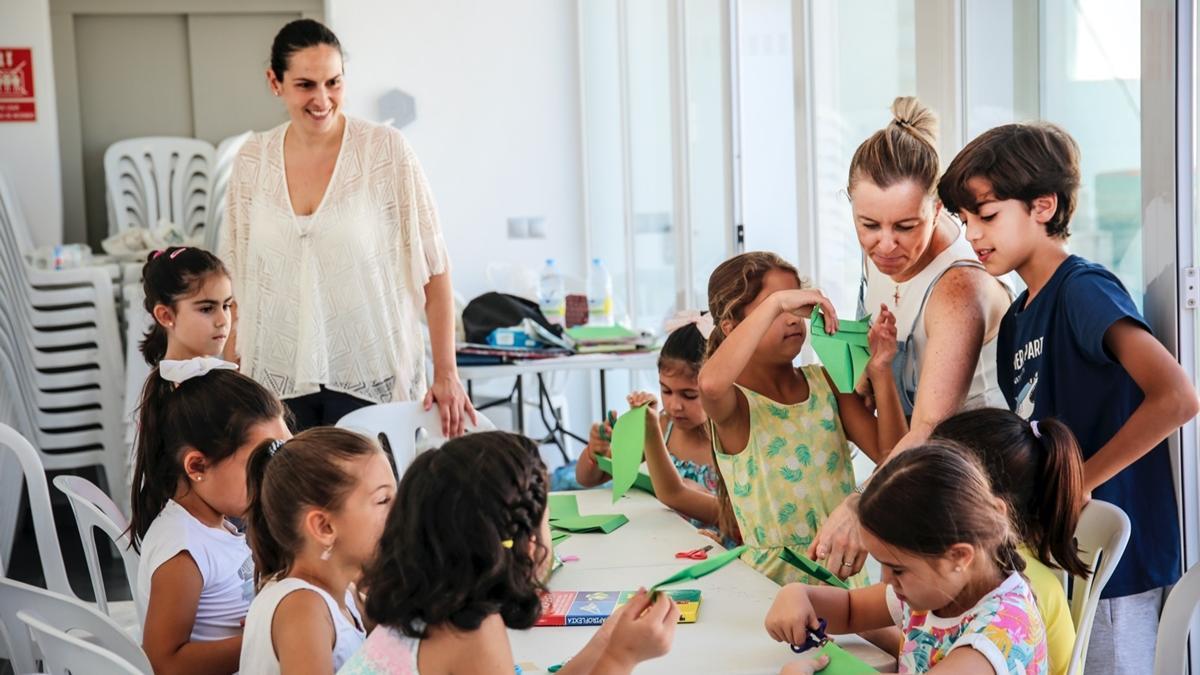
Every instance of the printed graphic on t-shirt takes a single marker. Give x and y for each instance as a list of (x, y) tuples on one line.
[(246, 574), (1025, 398), (1027, 362)]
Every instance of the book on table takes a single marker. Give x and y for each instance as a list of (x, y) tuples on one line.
[(591, 608)]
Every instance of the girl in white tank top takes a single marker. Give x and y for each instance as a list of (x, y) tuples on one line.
[(258, 651), (318, 503)]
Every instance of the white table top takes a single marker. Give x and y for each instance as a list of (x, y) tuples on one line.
[(728, 637), (617, 361)]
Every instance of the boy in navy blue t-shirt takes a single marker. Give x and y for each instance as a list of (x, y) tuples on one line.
[(1074, 347)]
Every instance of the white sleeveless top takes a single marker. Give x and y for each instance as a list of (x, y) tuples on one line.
[(258, 651), (910, 324)]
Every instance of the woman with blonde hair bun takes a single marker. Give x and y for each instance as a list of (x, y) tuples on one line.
[(918, 263)]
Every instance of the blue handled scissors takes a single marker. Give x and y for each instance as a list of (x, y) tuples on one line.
[(814, 638)]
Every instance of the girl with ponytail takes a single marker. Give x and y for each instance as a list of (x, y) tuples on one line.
[(318, 503), (951, 572), (199, 421), (189, 293), (1038, 469)]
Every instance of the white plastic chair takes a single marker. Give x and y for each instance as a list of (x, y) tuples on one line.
[(65, 613), (62, 373), (64, 654), (406, 426), (44, 529), (222, 167), (155, 177), (1101, 536), (95, 511), (1175, 623)]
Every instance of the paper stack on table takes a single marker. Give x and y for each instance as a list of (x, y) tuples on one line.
[(589, 339)]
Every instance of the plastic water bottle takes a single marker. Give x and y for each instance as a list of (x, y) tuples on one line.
[(552, 296), (599, 294)]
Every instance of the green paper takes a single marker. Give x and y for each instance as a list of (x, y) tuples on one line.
[(845, 353), (701, 569), (628, 446), (563, 506), (600, 333), (642, 482), (605, 522), (811, 568), (559, 536), (841, 662)]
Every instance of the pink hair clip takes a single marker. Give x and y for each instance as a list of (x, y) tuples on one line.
[(177, 251), (157, 252)]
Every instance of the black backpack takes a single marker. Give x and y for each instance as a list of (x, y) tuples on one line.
[(494, 310)]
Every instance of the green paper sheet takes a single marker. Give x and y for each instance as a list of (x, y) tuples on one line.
[(642, 482), (845, 353), (628, 446), (701, 569), (604, 522), (599, 333), (841, 662), (563, 506), (558, 536), (813, 569)]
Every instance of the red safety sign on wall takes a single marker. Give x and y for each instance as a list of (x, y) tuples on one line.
[(16, 85)]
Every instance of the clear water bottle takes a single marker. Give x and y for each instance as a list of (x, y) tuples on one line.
[(552, 296), (599, 294)]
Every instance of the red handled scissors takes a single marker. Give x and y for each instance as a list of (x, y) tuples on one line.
[(695, 554)]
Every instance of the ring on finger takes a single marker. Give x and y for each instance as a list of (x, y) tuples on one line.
[(847, 564)]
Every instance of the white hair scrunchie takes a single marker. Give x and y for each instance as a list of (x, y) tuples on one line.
[(182, 371), (703, 321)]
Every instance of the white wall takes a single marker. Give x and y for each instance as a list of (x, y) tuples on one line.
[(29, 150), (497, 130)]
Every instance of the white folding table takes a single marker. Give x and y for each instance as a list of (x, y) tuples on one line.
[(599, 363), (729, 636)]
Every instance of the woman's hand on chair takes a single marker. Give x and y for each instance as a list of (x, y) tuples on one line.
[(454, 406)]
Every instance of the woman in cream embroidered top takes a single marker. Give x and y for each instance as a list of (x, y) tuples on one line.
[(332, 238)]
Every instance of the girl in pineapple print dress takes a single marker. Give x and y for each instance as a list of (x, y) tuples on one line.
[(779, 432), (952, 574)]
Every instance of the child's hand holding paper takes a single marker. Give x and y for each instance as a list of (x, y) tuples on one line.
[(645, 398), (881, 340), (644, 630)]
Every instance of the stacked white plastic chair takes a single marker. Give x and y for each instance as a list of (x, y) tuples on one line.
[(158, 178), (61, 367), (222, 166)]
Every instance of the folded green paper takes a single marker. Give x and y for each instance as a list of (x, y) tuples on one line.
[(605, 522), (845, 353), (701, 569), (628, 446), (811, 568), (641, 482)]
